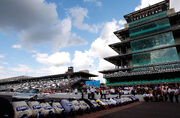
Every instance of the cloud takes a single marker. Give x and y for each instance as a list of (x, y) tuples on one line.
[(79, 14), (55, 63), (175, 4), (105, 65), (16, 46), (1, 56), (145, 3), (37, 22), (99, 47), (22, 14), (21, 68), (98, 3), (57, 70), (82, 60), (92, 59), (122, 22), (55, 59)]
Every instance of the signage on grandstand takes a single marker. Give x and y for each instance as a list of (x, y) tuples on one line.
[(95, 83)]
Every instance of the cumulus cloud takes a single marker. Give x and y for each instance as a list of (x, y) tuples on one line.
[(22, 14), (55, 59), (36, 22), (145, 3), (92, 59), (55, 63), (16, 46), (105, 65), (99, 47), (122, 22), (79, 14), (82, 60), (21, 68), (98, 3), (175, 4), (57, 70)]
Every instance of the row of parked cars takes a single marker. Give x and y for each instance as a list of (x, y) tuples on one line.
[(65, 107)]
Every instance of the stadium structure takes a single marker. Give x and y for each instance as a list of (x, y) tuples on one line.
[(149, 50), (70, 79)]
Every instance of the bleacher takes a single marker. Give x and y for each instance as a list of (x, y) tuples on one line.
[(43, 84), (146, 70)]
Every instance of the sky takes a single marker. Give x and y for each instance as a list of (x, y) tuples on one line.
[(45, 37)]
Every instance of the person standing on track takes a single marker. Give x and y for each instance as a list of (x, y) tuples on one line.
[(171, 94), (176, 94)]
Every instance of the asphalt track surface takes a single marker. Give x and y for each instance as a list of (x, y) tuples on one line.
[(148, 110), (138, 110)]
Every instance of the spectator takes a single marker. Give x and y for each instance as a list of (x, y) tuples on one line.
[(75, 91), (112, 91), (171, 94), (165, 94), (89, 93), (146, 96), (92, 90), (176, 94), (119, 91), (104, 92)]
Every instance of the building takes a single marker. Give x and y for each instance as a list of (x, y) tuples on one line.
[(149, 50), (70, 79)]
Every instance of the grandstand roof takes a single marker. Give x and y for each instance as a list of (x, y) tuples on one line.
[(60, 76), (15, 78)]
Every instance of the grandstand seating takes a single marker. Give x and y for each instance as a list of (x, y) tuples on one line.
[(41, 84), (146, 70)]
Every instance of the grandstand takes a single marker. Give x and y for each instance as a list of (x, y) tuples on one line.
[(70, 79), (149, 51)]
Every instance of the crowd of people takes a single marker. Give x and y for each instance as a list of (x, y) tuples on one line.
[(158, 92), (91, 91), (153, 93), (43, 85)]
